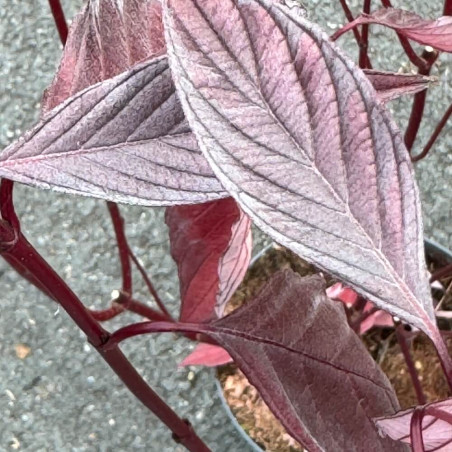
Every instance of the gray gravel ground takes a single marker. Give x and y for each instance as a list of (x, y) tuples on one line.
[(62, 397)]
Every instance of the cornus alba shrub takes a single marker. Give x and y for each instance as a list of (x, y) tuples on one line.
[(232, 112)]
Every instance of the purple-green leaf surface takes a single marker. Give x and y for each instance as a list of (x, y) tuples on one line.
[(325, 388), (296, 133), (124, 139)]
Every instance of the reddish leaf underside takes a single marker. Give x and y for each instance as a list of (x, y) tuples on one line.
[(105, 38), (435, 33), (282, 341), (390, 86), (211, 244), (436, 425), (207, 355), (296, 133)]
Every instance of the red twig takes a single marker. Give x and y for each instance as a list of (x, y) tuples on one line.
[(150, 286), (356, 34), (417, 110), (447, 10), (442, 272), (411, 54), (410, 364), (60, 20), (7, 211), (434, 136), (417, 441), (438, 413), (97, 336), (363, 48), (123, 247), (125, 303)]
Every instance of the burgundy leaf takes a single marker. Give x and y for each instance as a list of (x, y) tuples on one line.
[(296, 133), (435, 33), (106, 38), (390, 85), (124, 140), (207, 355), (211, 244), (282, 341), (436, 425)]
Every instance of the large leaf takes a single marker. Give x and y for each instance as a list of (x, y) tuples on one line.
[(436, 425), (296, 133), (124, 140), (295, 346), (106, 38), (435, 33), (211, 244)]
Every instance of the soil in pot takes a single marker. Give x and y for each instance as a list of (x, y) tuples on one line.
[(251, 411)]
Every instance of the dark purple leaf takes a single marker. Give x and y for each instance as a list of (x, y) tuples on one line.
[(435, 33), (106, 38), (296, 133), (124, 140), (207, 355), (390, 85), (436, 425), (325, 388), (211, 244)]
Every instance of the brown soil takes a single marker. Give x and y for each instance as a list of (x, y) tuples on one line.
[(251, 411)]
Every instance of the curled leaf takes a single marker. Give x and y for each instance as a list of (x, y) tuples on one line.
[(435, 33), (390, 85), (211, 244), (123, 140), (297, 134)]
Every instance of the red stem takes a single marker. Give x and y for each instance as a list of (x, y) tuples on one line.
[(442, 272), (356, 34), (447, 10), (97, 336), (60, 21), (7, 211), (123, 247), (417, 441), (20, 250), (411, 54), (183, 433), (410, 364), (150, 286), (434, 136), (438, 413), (127, 304), (350, 18), (417, 110), (139, 329), (363, 48)]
